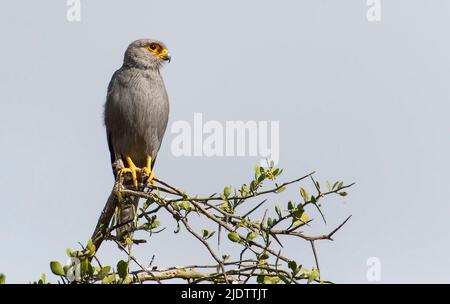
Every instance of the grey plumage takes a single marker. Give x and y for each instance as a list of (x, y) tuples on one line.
[(136, 110)]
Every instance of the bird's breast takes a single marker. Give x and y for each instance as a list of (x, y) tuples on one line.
[(144, 105)]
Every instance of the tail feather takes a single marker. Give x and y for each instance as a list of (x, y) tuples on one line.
[(126, 217)]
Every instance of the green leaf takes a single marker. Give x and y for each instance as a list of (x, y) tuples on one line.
[(56, 268), (276, 172), (335, 185), (262, 262), (104, 272), (290, 205), (127, 280), (225, 257), (314, 274), (90, 269), (261, 178), (151, 224), (284, 278), (304, 194), (205, 233), (263, 256), (293, 266), (129, 241), (281, 189), (343, 193), (148, 203), (185, 205), (42, 279), (90, 246), (257, 172), (234, 237), (301, 221), (2, 279), (84, 267), (271, 280), (226, 191), (278, 211), (244, 190), (156, 223), (252, 235), (253, 186), (109, 279), (260, 279), (304, 218), (297, 213), (122, 269), (328, 185)]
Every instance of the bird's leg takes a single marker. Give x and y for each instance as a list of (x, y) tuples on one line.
[(148, 171), (131, 169)]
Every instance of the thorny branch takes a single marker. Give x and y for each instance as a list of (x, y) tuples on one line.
[(260, 258)]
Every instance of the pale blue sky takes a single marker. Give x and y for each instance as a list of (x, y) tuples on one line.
[(358, 101)]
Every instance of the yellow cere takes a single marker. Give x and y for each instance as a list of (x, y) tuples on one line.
[(157, 50), (163, 52)]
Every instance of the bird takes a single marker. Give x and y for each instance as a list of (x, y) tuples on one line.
[(136, 114)]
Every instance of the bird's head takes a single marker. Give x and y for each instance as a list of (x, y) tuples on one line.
[(147, 54)]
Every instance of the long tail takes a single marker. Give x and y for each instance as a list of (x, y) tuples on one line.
[(126, 217)]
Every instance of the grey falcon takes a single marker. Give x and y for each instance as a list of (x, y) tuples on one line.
[(136, 115)]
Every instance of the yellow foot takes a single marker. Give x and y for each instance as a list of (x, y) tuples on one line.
[(131, 169), (149, 172)]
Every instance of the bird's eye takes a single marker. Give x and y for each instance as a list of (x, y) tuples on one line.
[(152, 46)]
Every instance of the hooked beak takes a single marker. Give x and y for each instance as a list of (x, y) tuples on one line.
[(166, 57)]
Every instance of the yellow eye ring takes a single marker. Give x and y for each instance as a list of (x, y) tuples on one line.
[(152, 47)]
